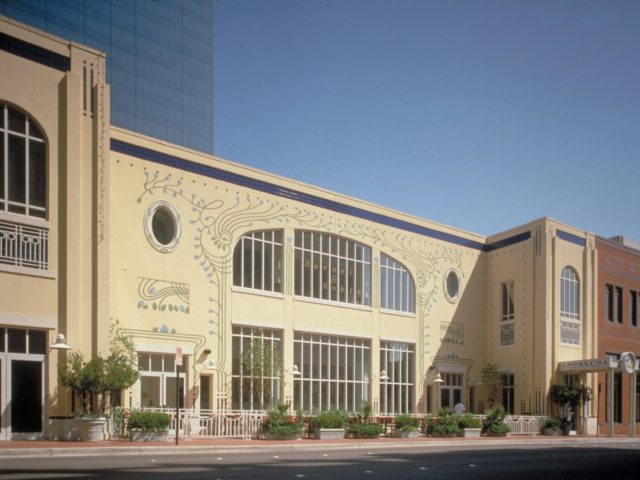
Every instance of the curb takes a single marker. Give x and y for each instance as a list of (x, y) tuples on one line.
[(293, 447)]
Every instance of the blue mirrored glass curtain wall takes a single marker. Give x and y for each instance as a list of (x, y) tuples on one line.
[(159, 59)]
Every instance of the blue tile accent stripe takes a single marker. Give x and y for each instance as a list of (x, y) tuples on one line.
[(33, 52), (569, 237), (262, 186), (521, 237)]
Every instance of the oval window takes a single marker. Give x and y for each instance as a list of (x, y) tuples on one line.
[(163, 227), (452, 285)]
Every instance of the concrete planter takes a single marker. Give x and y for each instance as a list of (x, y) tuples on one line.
[(444, 435), (552, 432), (470, 432), (282, 436), (399, 433), (139, 436), (330, 434), (90, 429)]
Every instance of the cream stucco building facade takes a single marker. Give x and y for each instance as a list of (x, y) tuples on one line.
[(274, 290)]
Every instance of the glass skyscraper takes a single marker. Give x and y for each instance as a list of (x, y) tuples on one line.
[(159, 57)]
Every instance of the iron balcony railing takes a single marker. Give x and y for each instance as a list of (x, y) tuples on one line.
[(24, 246)]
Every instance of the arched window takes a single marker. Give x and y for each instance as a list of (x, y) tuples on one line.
[(23, 164), (332, 268), (397, 290), (257, 261), (569, 306)]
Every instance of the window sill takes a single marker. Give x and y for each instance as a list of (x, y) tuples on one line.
[(319, 301), (32, 272), (24, 220), (570, 345), (398, 313), (253, 291), (507, 347)]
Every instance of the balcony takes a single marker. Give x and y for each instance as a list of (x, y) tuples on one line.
[(24, 246)]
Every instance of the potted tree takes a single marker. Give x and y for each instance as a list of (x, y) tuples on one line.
[(94, 384), (470, 426), (148, 426), (86, 382), (569, 398), (494, 425), (329, 425), (279, 425), (363, 428), (406, 426)]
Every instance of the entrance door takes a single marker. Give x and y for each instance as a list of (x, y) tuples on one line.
[(21, 397), (26, 398), (3, 402)]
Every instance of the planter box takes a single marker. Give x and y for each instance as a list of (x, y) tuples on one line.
[(493, 434), (399, 433), (330, 434), (444, 435), (470, 432), (552, 432), (148, 436), (282, 436), (90, 429)]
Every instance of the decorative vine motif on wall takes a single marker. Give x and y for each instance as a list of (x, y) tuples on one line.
[(218, 224), (160, 295)]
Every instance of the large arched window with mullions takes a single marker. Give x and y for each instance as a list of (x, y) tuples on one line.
[(23, 164), (257, 261)]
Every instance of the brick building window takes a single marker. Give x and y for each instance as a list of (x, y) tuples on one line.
[(633, 308)]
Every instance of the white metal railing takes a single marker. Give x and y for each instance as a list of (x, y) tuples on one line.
[(209, 423), (24, 246), (523, 424)]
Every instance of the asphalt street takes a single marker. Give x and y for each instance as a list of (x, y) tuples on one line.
[(583, 461)]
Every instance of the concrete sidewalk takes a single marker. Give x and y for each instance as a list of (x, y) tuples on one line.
[(26, 449)]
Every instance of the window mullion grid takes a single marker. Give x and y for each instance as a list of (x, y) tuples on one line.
[(27, 188), (273, 263), (6, 157), (353, 371), (242, 253), (311, 266), (263, 250)]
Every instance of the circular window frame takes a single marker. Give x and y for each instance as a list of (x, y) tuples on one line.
[(451, 298), (148, 226)]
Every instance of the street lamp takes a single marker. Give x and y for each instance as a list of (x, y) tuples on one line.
[(59, 343)]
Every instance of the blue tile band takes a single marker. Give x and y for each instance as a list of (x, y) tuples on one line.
[(34, 53), (284, 192), (569, 237)]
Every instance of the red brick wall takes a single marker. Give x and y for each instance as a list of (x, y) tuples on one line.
[(618, 266)]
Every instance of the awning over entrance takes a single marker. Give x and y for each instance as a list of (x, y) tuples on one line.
[(627, 362)]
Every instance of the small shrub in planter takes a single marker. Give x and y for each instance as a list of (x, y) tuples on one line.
[(407, 426), (470, 426), (494, 422), (279, 425), (551, 426), (331, 422), (329, 419), (149, 426), (444, 425), (366, 430)]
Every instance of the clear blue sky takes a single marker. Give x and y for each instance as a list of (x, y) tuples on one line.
[(482, 115)]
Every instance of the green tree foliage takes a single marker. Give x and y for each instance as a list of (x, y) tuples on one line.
[(492, 380), (259, 360), (100, 379)]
